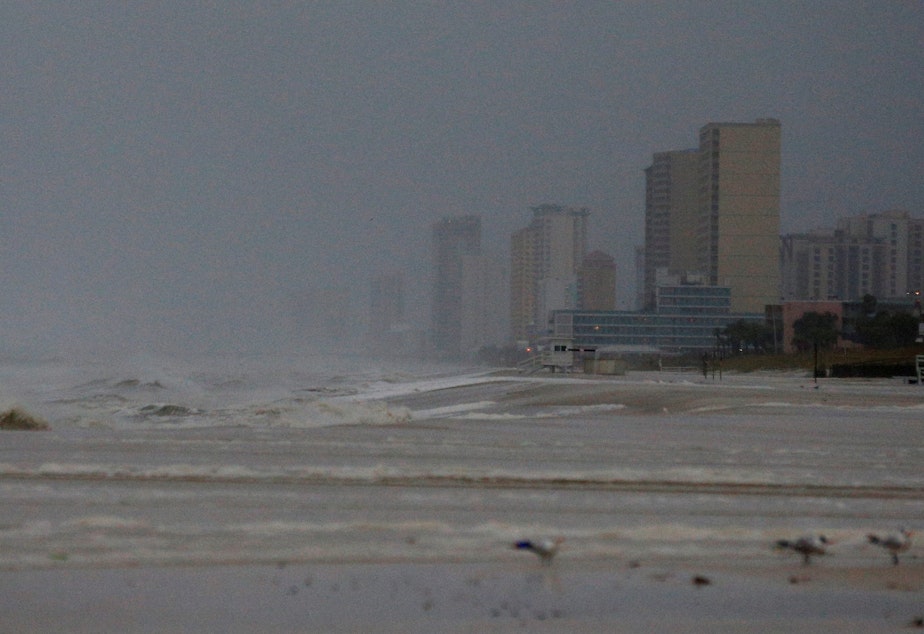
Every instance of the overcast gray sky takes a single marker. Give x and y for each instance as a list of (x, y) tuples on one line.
[(173, 172)]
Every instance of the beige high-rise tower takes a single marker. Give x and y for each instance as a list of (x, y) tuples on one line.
[(671, 217), (545, 258), (739, 234)]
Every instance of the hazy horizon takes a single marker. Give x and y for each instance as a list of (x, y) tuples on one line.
[(178, 176)]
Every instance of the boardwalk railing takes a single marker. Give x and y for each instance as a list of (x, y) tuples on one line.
[(530, 365)]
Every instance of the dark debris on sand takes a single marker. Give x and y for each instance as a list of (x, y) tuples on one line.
[(17, 419)]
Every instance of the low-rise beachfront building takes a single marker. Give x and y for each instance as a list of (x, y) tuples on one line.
[(847, 314), (687, 318), (692, 318)]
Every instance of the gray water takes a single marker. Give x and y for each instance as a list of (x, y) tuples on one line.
[(264, 460)]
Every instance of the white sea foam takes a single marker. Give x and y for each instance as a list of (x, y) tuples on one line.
[(686, 478), (579, 410), (384, 390), (449, 410)]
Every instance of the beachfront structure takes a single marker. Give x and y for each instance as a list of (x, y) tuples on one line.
[(453, 239), (545, 258), (871, 254), (715, 210), (794, 311), (808, 266), (739, 233), (687, 318), (596, 279), (671, 217)]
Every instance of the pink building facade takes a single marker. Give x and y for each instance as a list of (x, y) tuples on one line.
[(793, 311)]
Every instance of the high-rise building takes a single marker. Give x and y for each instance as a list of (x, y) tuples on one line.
[(916, 257), (671, 217), (715, 210), (640, 260), (870, 254), (597, 282), (892, 230), (522, 284), (388, 330), (545, 258), (485, 287), (808, 266), (453, 239), (739, 232)]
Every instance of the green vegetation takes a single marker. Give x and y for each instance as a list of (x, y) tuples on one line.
[(747, 336), (815, 329), (887, 330), (828, 358)]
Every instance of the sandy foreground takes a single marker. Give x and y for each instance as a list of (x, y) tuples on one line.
[(858, 591), (569, 596)]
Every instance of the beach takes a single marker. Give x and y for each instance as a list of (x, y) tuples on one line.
[(466, 597), (669, 492)]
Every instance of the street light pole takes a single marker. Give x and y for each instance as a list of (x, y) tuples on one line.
[(815, 373)]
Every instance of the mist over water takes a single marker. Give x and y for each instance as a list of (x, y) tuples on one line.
[(82, 390)]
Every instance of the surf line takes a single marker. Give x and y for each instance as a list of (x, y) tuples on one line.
[(321, 478)]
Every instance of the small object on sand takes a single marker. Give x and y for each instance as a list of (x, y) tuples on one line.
[(545, 549), (806, 546), (894, 543), (917, 621), (18, 419), (701, 580)]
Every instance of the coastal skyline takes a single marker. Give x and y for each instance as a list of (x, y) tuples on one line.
[(173, 175)]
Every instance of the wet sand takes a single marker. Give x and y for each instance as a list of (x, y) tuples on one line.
[(521, 595)]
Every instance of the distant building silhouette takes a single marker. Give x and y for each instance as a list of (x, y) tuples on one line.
[(485, 288), (640, 263), (453, 239), (597, 282), (545, 258), (879, 254), (388, 329)]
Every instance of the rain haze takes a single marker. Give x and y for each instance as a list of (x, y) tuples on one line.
[(191, 176)]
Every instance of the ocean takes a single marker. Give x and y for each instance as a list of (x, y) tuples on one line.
[(153, 462)]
